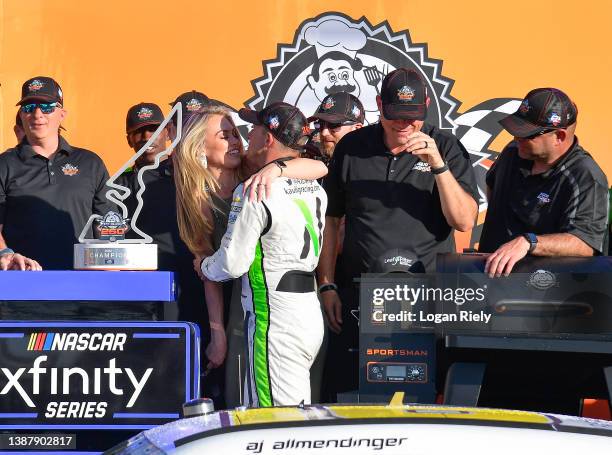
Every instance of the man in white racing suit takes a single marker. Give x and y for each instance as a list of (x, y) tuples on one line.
[(275, 246)]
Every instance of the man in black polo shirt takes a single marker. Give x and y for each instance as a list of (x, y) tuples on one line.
[(18, 128), (157, 218), (547, 196), (401, 183), (48, 188), (141, 122), (158, 215)]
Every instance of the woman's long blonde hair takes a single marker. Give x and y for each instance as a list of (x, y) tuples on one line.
[(195, 184)]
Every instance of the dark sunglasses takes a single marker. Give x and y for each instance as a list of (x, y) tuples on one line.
[(320, 125), (541, 133), (45, 108)]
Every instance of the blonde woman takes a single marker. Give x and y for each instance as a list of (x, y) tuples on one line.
[(208, 165)]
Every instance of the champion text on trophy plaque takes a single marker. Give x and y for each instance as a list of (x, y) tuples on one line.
[(111, 250), (109, 253)]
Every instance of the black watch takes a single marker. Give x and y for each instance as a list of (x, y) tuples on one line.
[(328, 287), (439, 170), (533, 241)]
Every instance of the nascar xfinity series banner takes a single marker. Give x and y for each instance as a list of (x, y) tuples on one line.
[(95, 375)]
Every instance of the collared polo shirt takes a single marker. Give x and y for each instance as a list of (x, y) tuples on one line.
[(45, 203), (570, 197), (157, 217), (391, 201)]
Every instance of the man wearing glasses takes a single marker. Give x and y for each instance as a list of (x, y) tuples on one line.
[(547, 196), (338, 114), (48, 188)]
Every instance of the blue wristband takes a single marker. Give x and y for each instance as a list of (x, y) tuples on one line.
[(6, 251)]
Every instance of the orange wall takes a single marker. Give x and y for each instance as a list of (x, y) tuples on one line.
[(112, 54)]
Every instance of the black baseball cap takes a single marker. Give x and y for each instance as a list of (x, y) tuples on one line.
[(284, 121), (143, 114), (542, 109), (404, 95), (41, 88), (191, 102), (341, 107), (397, 261)]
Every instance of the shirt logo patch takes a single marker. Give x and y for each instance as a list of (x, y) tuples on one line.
[(193, 105), (35, 85), (144, 113), (405, 93), (544, 198), (401, 260), (69, 169), (421, 166), (554, 119)]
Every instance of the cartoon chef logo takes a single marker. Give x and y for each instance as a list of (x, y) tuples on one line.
[(334, 53)]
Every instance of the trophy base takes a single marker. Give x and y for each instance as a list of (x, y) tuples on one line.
[(115, 256)]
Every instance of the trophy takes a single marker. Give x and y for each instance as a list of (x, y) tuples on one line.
[(111, 250)]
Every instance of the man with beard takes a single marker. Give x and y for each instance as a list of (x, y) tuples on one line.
[(402, 184), (547, 196), (141, 122), (339, 114), (157, 218), (334, 72)]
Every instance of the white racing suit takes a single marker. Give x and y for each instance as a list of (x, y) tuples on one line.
[(275, 246)]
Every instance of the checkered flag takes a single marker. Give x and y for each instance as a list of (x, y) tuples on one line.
[(476, 129)]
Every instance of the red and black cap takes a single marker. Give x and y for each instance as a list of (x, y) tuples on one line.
[(542, 109), (284, 121), (397, 261), (341, 107), (143, 114), (41, 88), (404, 95)]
